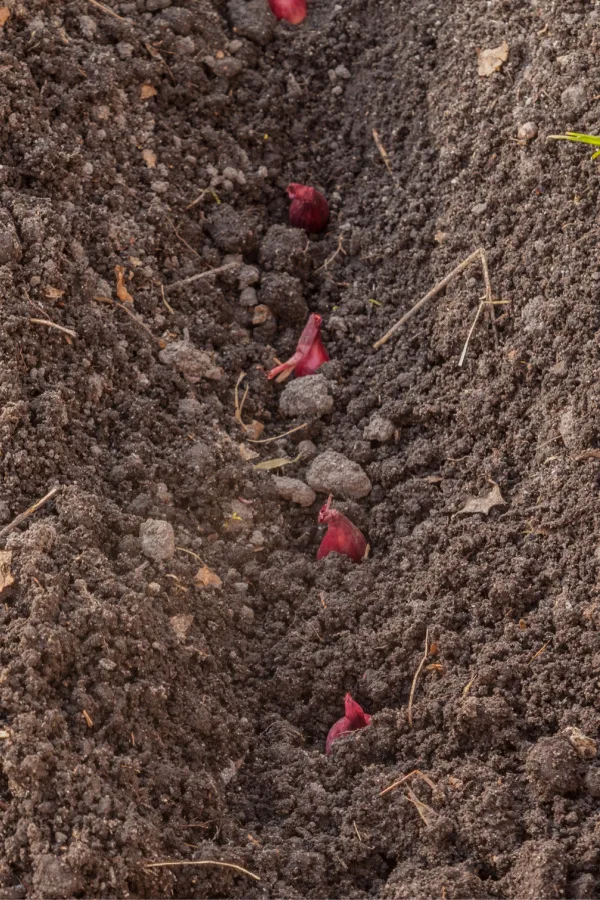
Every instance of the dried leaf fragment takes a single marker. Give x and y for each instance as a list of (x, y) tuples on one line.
[(491, 60), (147, 91), (246, 453), (122, 292), (149, 157), (483, 504), (4, 15), (6, 576), (205, 577), (52, 293), (267, 464)]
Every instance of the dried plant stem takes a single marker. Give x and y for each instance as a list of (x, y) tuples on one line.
[(404, 778), (51, 324), (384, 154), (478, 254), (200, 862), (29, 512), (416, 678), (106, 9), (278, 437), (217, 271), (164, 299)]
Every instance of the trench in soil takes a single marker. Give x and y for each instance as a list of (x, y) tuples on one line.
[(150, 718)]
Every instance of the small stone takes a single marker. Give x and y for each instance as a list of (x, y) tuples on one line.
[(253, 20), (586, 747), (248, 297), (52, 878), (379, 429), (228, 67), (333, 473), (248, 275), (479, 209), (247, 614), (158, 539), (109, 665), (194, 364), (342, 72), (307, 450), (181, 625), (189, 408), (306, 397), (294, 490), (88, 27), (527, 131), (574, 99), (554, 767)]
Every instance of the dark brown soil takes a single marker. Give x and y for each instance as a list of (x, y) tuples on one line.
[(146, 718)]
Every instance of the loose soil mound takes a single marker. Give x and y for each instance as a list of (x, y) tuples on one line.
[(147, 716)]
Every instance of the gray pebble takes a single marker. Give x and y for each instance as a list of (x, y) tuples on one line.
[(248, 297), (307, 450), (158, 539), (527, 131), (333, 473), (574, 99), (379, 429), (253, 20), (194, 364), (307, 396), (294, 490)]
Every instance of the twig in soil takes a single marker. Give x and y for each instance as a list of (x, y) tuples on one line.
[(539, 653), (404, 778), (207, 190), (384, 154), (416, 678), (278, 436), (164, 299), (182, 239), (335, 254), (217, 271), (29, 512), (478, 254), (481, 306), (51, 324), (240, 406), (200, 862), (88, 719), (106, 9), (191, 553), (428, 814), (357, 832)]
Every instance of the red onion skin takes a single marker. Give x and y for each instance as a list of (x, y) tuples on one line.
[(355, 719), (342, 536), (293, 11), (310, 353), (309, 208)]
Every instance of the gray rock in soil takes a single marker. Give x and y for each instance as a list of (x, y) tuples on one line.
[(253, 20), (54, 878), (308, 451), (306, 397), (194, 364), (527, 131), (294, 490), (333, 473), (158, 539), (574, 99), (379, 429)]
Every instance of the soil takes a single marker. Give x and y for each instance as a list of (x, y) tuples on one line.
[(148, 717)]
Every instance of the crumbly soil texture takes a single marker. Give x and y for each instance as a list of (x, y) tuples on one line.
[(172, 655)]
